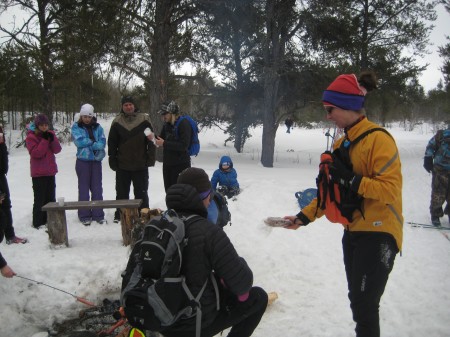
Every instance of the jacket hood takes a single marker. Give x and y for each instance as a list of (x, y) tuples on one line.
[(225, 159), (184, 198)]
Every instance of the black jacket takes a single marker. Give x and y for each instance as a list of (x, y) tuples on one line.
[(175, 148), (128, 147)]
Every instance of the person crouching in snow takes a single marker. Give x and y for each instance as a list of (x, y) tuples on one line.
[(90, 140), (226, 177), (42, 145)]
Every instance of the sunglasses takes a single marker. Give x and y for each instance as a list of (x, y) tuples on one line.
[(329, 109)]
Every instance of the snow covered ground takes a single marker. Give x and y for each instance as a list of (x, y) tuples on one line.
[(304, 267)]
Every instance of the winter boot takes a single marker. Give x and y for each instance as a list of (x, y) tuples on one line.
[(435, 221)]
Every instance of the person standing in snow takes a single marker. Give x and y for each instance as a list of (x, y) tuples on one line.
[(288, 122), (90, 140), (175, 143), (437, 161), (374, 237), (42, 145), (226, 177), (9, 231), (5, 270), (131, 152)]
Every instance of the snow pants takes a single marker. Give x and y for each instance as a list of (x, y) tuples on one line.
[(139, 179), (44, 192), (243, 318), (440, 191), (6, 208), (89, 188), (368, 258), (171, 172)]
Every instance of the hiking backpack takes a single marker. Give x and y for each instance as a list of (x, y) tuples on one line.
[(194, 145), (154, 293), (336, 200), (224, 215), (442, 154)]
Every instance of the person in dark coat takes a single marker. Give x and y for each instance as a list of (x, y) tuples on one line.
[(288, 122), (175, 144), (9, 231), (89, 138), (42, 145), (209, 249), (131, 152)]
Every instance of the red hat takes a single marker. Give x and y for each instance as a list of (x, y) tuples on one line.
[(41, 119), (345, 93)]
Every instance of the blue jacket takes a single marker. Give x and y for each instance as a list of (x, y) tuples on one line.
[(439, 148), (87, 149), (226, 178)]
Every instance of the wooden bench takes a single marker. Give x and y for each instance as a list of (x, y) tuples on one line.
[(57, 223)]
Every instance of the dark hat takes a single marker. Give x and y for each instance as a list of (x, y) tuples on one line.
[(345, 92), (41, 119), (197, 178), (169, 107), (127, 99)]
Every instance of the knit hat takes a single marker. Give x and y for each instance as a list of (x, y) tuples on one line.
[(197, 178), (127, 99), (41, 119), (169, 107), (345, 93), (87, 110)]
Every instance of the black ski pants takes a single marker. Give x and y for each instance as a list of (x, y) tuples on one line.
[(368, 258), (171, 173), (6, 208), (124, 178), (243, 318), (44, 192)]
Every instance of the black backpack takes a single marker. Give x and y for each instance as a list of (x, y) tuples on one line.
[(154, 293), (337, 201), (224, 215)]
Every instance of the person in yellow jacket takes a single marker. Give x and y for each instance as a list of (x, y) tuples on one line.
[(374, 236)]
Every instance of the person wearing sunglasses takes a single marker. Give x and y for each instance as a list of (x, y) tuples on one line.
[(373, 237)]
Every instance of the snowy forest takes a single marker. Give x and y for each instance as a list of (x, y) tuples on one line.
[(251, 62)]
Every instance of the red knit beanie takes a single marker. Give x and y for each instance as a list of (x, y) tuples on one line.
[(345, 93)]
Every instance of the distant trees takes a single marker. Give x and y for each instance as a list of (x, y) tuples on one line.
[(256, 61)]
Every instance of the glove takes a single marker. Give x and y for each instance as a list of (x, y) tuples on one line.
[(342, 175), (45, 135), (51, 137), (113, 163), (428, 163)]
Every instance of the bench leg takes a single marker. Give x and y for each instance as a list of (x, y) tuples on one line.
[(129, 218), (57, 227)]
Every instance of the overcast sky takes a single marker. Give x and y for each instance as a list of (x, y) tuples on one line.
[(429, 78)]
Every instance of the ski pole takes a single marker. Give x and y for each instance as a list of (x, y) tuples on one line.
[(79, 299)]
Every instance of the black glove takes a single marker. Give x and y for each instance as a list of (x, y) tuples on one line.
[(113, 164), (51, 137), (45, 135), (342, 175), (428, 163)]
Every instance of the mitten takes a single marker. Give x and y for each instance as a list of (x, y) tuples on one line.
[(342, 175), (51, 137), (428, 163), (45, 135)]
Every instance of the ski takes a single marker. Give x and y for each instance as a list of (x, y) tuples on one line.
[(424, 225)]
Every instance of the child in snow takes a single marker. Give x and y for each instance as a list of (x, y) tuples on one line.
[(226, 177), (42, 144), (90, 140)]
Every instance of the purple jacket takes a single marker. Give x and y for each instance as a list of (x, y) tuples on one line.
[(42, 154)]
